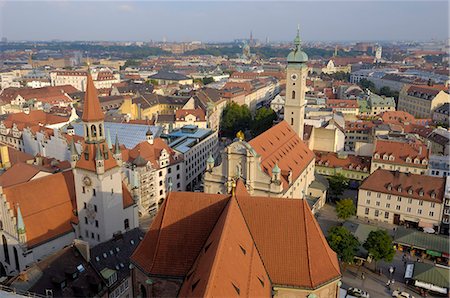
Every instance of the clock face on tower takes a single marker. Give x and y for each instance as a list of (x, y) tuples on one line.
[(294, 77)]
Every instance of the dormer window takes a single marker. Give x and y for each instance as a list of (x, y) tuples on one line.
[(350, 167), (389, 187), (399, 188), (365, 169), (416, 161), (408, 159), (421, 192), (320, 162), (433, 195), (327, 164), (410, 191), (424, 162), (376, 156), (385, 157), (391, 157)]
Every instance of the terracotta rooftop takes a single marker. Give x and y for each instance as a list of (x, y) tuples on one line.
[(281, 144), (151, 152), (198, 113), (35, 117), (46, 214), (349, 162), (420, 187), (16, 156), (18, 173), (401, 152), (202, 238), (91, 108)]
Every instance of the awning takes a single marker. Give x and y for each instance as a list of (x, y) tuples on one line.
[(433, 253), (412, 219), (425, 224), (430, 287)]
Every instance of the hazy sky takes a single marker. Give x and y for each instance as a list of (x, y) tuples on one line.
[(223, 20)]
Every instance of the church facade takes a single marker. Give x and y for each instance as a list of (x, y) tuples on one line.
[(277, 163)]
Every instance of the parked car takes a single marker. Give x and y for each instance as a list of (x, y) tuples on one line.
[(399, 294), (357, 293)]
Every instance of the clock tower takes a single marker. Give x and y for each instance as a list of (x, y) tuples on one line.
[(103, 204), (296, 73)]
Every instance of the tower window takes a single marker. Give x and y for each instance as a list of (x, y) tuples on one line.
[(126, 223), (93, 192), (292, 121), (84, 189), (93, 131), (100, 131), (293, 94)]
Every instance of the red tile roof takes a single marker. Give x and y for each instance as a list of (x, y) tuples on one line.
[(35, 117), (281, 144), (46, 214), (406, 184), (401, 151), (284, 232), (198, 113), (349, 162), (18, 173), (91, 108), (151, 152)]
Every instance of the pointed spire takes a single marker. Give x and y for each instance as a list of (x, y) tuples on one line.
[(98, 155), (297, 40), (117, 146), (108, 139), (92, 111), (73, 148), (276, 169), (20, 223)]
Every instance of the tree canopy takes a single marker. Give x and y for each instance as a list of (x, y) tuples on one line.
[(338, 183), (234, 119), (345, 208), (343, 243), (263, 120), (379, 245)]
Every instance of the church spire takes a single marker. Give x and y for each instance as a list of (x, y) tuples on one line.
[(92, 111)]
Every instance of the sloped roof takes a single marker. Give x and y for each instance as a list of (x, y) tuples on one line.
[(151, 152), (284, 232), (198, 113), (90, 151), (16, 156), (46, 214), (228, 247), (401, 151), (35, 117), (18, 173), (411, 237), (389, 182), (281, 144), (432, 274), (91, 107)]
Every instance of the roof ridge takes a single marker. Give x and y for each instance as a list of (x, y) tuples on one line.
[(225, 229), (322, 237), (307, 246), (159, 232), (253, 238)]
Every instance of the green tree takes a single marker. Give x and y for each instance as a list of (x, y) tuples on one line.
[(338, 183), (366, 84), (207, 80), (154, 82), (343, 243), (262, 121), (379, 246), (235, 118), (345, 208)]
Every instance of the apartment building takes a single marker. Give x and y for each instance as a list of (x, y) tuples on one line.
[(407, 156), (402, 198), (421, 101)]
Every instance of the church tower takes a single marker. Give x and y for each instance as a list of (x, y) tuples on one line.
[(296, 73), (102, 209)]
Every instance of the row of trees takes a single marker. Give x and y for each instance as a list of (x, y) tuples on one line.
[(386, 91), (378, 245), (236, 117)]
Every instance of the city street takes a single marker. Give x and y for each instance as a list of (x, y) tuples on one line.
[(373, 283)]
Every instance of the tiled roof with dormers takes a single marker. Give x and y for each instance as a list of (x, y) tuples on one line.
[(420, 187), (348, 162), (401, 152)]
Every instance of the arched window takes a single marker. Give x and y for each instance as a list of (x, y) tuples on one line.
[(16, 259), (100, 130), (93, 131), (293, 94), (143, 292), (5, 249), (87, 131)]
